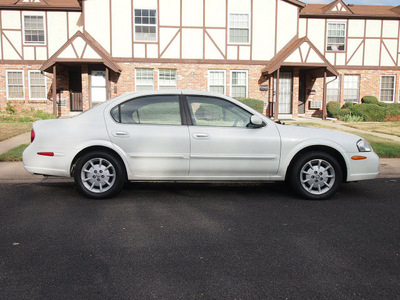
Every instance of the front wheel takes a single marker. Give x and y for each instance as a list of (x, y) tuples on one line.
[(316, 175), (99, 175)]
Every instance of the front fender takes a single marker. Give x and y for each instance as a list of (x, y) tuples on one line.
[(289, 151)]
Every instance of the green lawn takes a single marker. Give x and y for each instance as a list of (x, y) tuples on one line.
[(11, 129), (14, 154), (383, 147), (392, 128)]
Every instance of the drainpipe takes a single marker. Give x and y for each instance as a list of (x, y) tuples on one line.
[(324, 112)]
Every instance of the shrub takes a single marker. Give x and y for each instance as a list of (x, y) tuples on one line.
[(255, 104), (369, 100), (352, 118), (348, 104), (369, 112), (333, 109), (10, 109), (209, 112), (40, 114)]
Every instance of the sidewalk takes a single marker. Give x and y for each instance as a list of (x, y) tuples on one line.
[(9, 144)]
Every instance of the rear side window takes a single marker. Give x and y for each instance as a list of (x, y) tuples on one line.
[(159, 109)]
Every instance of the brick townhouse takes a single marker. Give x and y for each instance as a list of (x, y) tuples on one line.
[(64, 56)]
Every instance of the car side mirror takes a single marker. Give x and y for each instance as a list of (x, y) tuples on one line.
[(256, 122)]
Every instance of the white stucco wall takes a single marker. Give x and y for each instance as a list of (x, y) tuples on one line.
[(121, 28), (97, 21), (287, 23), (263, 35)]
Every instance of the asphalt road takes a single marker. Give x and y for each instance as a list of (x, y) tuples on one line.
[(187, 241)]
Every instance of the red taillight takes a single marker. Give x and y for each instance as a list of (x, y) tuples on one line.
[(46, 153), (32, 135)]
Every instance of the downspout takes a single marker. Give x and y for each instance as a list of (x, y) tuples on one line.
[(324, 104)]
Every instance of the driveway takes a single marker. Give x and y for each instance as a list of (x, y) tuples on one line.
[(205, 241)]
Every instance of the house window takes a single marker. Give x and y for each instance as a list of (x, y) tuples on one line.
[(388, 83), (37, 86), (239, 83), (167, 79), (333, 90), (239, 28), (336, 37), (351, 88), (145, 25), (34, 29), (216, 81), (144, 79), (15, 84)]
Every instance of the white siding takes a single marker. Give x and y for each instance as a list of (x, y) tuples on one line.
[(356, 28), (122, 28), (372, 48), (287, 23), (97, 21), (192, 40), (316, 33), (75, 23), (263, 36), (11, 19), (215, 13), (390, 29), (192, 13), (57, 30), (170, 11), (373, 28)]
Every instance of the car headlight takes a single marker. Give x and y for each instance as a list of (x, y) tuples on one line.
[(363, 146)]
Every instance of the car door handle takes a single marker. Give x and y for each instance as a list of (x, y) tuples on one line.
[(120, 134), (201, 136)]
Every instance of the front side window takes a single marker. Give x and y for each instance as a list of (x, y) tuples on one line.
[(37, 86), (34, 29), (336, 37), (210, 111), (158, 110), (239, 84), (388, 83), (145, 25), (333, 90), (15, 84), (144, 79), (216, 81), (351, 88), (239, 28), (167, 79)]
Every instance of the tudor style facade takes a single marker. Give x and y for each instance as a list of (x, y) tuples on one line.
[(66, 56)]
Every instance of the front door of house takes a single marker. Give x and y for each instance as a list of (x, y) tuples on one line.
[(285, 92), (98, 90)]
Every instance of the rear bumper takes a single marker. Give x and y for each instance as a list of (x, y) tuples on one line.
[(57, 165)]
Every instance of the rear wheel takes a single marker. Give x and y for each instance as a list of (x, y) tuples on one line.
[(99, 175), (316, 175)]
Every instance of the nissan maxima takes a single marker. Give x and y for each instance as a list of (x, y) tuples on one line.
[(193, 136)]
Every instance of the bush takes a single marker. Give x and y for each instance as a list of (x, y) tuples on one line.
[(40, 114), (369, 100), (10, 109), (255, 104), (348, 104), (209, 112), (369, 112), (333, 109)]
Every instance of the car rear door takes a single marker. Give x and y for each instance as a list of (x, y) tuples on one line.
[(223, 147), (149, 130)]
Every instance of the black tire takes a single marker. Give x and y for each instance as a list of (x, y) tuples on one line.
[(315, 175), (99, 175)]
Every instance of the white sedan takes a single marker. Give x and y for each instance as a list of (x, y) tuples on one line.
[(196, 136)]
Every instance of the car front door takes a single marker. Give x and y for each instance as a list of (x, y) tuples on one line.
[(149, 130), (224, 146)]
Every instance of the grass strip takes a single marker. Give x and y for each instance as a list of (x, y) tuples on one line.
[(14, 154), (11, 129)]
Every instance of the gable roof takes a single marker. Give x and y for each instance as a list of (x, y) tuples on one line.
[(71, 5), (357, 11), (337, 7), (81, 48), (299, 52)]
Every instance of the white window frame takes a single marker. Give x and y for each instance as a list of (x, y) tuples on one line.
[(160, 86), (34, 13), (29, 82), (136, 79), (150, 25), (229, 28), (394, 88), (344, 87), (345, 35), (247, 81), (330, 81), (23, 84), (208, 79)]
